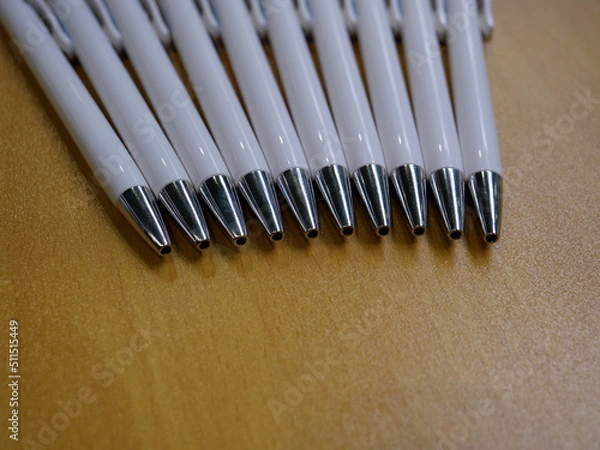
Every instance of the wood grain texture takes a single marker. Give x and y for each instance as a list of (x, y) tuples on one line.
[(362, 343)]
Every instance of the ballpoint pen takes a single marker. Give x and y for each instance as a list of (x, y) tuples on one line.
[(475, 117), (132, 117), (112, 166), (224, 113), (268, 112), (178, 115), (352, 112), (393, 112), (311, 113), (433, 113)]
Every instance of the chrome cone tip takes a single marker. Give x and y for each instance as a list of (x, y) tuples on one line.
[(219, 194), (486, 190), (296, 186), (257, 188), (334, 183), (449, 192), (410, 183), (182, 203), (372, 185), (139, 207)]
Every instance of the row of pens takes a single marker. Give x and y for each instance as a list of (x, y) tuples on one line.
[(312, 143)]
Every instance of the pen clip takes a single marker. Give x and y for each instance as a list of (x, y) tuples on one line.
[(486, 19), (396, 18), (393, 9), (108, 24), (304, 12), (158, 21), (259, 10), (440, 16), (442, 21), (350, 15), (48, 16), (208, 14), (104, 16), (305, 15)]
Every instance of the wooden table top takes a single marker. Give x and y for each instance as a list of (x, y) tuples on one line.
[(362, 343)]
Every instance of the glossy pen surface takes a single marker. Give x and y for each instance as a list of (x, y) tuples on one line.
[(475, 116), (310, 112), (352, 112), (134, 120), (268, 112), (433, 113), (178, 115), (111, 164), (224, 113), (393, 111)]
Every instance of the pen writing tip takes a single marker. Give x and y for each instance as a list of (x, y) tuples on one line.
[(410, 183), (219, 194), (139, 206), (449, 192), (372, 185), (334, 183), (257, 188), (486, 190), (179, 197), (348, 231), (296, 186)]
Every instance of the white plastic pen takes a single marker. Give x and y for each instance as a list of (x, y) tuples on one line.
[(268, 112), (351, 111), (433, 112), (475, 116), (112, 166), (133, 119), (224, 113), (392, 111), (311, 113), (178, 115)]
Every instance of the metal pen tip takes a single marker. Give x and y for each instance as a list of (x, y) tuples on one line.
[(219, 194), (296, 186), (139, 207), (334, 184), (410, 183), (372, 185), (257, 188), (181, 201), (449, 192), (486, 190)]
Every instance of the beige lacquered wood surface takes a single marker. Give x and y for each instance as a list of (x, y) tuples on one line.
[(362, 343)]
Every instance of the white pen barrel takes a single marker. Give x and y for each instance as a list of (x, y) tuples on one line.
[(304, 93), (172, 103), (112, 166), (472, 99), (431, 99), (131, 115), (222, 109), (266, 107), (391, 105), (347, 95)]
